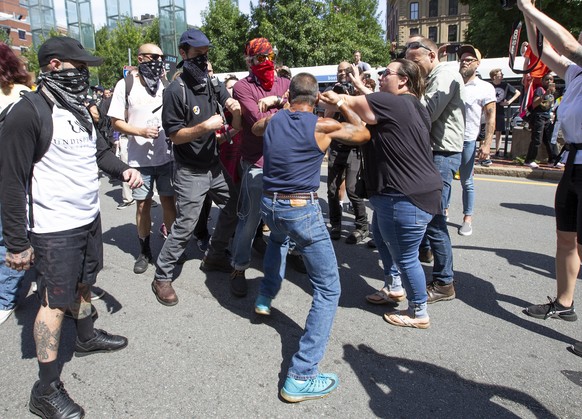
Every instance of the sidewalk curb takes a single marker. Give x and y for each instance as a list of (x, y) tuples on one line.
[(520, 171)]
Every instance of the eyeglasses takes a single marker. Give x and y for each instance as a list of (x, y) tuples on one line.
[(468, 60), (264, 57), (389, 72), (154, 57), (417, 45)]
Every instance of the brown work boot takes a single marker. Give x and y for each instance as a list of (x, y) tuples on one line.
[(165, 292), (425, 255), (438, 291)]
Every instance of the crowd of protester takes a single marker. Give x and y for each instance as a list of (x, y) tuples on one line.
[(255, 147)]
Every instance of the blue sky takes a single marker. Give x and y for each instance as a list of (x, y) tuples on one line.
[(140, 7)]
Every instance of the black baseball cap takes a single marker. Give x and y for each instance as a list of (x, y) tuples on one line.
[(64, 48), (195, 38)]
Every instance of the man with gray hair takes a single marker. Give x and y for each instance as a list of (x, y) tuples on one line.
[(444, 100)]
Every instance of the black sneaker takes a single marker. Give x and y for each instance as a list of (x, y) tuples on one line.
[(56, 404), (142, 263), (335, 233), (125, 205), (102, 342), (238, 283), (552, 309), (576, 348)]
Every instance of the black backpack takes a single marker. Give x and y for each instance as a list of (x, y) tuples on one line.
[(44, 110)]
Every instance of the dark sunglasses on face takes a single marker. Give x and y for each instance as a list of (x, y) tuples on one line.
[(154, 57), (417, 45)]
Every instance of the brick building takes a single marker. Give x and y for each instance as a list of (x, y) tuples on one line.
[(14, 21)]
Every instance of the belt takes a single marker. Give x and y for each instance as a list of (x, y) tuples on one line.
[(298, 195), (572, 149)]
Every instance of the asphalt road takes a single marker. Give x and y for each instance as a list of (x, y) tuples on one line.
[(210, 356)]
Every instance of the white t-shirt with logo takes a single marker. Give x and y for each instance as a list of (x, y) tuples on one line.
[(65, 184), (478, 93), (141, 151)]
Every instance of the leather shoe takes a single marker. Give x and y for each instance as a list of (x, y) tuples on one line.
[(101, 342), (425, 255), (238, 283), (164, 292), (141, 263), (440, 292), (335, 233)]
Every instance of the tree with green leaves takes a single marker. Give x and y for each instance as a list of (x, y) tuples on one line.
[(227, 30), (490, 27), (305, 33)]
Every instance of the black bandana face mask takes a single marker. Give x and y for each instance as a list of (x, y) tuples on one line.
[(151, 71), (69, 87), (197, 68)]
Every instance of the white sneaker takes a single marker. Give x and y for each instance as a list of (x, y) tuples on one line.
[(533, 165), (559, 165), (465, 229), (4, 314)]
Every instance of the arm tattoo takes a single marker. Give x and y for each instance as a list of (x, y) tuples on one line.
[(45, 340)]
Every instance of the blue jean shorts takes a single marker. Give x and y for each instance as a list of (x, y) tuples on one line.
[(163, 178)]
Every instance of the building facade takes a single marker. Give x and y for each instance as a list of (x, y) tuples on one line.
[(15, 24), (443, 21)]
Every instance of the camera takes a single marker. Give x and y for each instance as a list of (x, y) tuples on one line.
[(508, 4), (344, 89)]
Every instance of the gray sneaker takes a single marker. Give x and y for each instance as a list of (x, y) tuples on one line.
[(465, 229)]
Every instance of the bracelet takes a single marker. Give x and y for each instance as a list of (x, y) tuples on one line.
[(340, 103)]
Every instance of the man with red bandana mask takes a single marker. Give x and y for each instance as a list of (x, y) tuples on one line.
[(260, 93)]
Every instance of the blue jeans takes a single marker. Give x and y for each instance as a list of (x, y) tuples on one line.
[(437, 233), (466, 172), (249, 215), (305, 226), (392, 279), (9, 279), (402, 226)]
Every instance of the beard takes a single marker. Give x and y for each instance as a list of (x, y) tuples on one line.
[(467, 73)]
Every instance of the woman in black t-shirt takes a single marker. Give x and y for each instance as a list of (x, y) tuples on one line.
[(402, 182)]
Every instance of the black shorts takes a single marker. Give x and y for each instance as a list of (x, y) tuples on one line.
[(66, 258), (568, 203)]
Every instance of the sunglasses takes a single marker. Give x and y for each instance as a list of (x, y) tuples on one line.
[(417, 45), (389, 72), (264, 57), (154, 57)]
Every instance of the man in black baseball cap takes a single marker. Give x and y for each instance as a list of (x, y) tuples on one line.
[(65, 241), (65, 49)]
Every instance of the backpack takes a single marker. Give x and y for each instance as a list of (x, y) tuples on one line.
[(129, 84), (43, 108)]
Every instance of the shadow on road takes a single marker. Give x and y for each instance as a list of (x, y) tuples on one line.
[(481, 295), (400, 387), (530, 208)]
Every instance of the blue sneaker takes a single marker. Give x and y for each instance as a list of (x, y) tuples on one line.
[(263, 305), (315, 388)]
